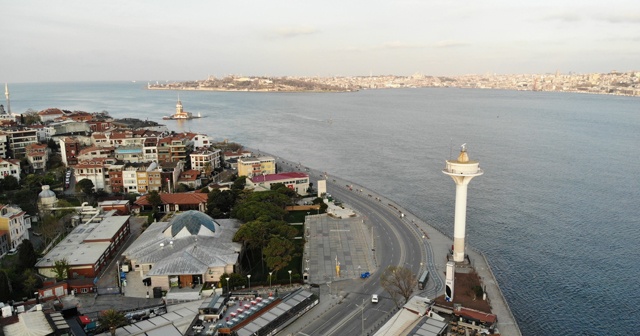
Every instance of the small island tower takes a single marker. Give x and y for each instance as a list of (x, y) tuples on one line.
[(461, 170), (179, 109)]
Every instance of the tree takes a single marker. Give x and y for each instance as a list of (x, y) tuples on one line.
[(85, 186), (30, 281), (26, 199), (61, 269), (27, 256), (30, 117), (239, 183), (399, 282), (5, 286), (52, 145), (279, 253), (219, 203), (155, 200), (182, 188), (235, 280), (50, 227), (10, 182), (111, 320)]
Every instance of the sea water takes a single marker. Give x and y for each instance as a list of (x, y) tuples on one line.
[(556, 211)]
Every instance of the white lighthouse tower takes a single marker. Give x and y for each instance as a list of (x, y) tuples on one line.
[(461, 170)]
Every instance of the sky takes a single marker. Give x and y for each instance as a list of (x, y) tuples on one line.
[(59, 41)]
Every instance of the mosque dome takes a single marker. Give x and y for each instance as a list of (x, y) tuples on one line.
[(47, 197), (46, 192), (191, 223)]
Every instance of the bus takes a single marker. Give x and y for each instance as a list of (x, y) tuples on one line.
[(422, 281)]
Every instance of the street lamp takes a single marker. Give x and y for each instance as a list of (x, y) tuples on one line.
[(228, 291), (249, 277), (289, 277), (270, 279)]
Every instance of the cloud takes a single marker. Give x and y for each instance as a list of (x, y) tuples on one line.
[(290, 32), (619, 18), (450, 44), (564, 17), (398, 45)]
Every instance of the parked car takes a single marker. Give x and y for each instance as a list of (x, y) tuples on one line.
[(374, 298), (12, 251)]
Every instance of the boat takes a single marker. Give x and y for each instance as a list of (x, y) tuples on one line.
[(181, 114)]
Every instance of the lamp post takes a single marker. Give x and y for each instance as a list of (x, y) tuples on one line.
[(270, 279), (228, 290), (249, 278), (289, 277)]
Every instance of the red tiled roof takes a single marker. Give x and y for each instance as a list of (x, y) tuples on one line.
[(476, 315), (278, 177), (51, 111), (12, 161), (179, 198), (36, 146), (189, 175)]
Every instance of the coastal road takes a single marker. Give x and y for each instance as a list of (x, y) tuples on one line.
[(397, 243)]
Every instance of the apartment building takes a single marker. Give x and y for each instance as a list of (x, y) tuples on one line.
[(254, 166), (38, 155), (299, 182), (205, 160), (16, 222), (18, 140), (10, 167), (69, 150)]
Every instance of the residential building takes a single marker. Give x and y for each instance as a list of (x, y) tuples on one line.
[(89, 247), (4, 144), (50, 114), (4, 242), (205, 160), (69, 149), (38, 155), (190, 178), (70, 127), (16, 222), (299, 182), (10, 167), (150, 149), (200, 141), (95, 170), (94, 152), (100, 140), (254, 166), (19, 138), (129, 153)]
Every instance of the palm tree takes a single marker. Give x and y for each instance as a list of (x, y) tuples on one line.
[(112, 319)]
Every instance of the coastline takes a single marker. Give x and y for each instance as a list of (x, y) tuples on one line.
[(615, 94), (247, 90), (437, 243)]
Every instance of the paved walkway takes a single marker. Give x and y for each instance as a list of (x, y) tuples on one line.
[(330, 242)]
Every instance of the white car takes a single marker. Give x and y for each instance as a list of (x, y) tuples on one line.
[(374, 298), (12, 251)]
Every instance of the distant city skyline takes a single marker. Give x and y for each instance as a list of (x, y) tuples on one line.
[(171, 40)]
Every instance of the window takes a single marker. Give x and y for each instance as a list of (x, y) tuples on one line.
[(84, 290)]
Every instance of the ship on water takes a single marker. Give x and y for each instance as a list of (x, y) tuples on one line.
[(181, 114)]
